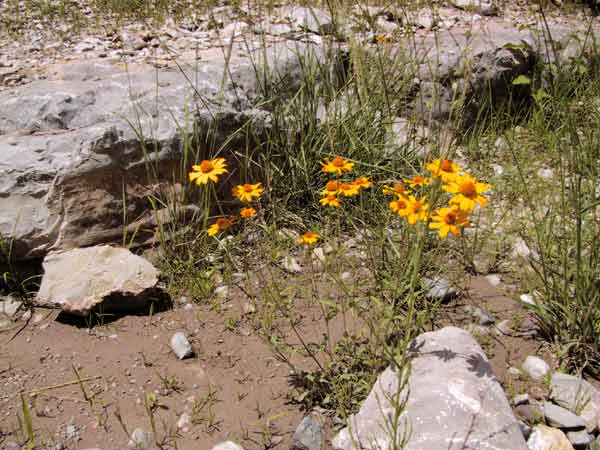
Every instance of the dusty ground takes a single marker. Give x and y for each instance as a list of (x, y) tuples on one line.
[(243, 387)]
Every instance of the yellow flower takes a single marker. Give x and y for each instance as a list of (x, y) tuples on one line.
[(449, 220), (444, 169), (221, 224), (416, 210), (246, 213), (331, 188), (468, 192), (398, 205), (337, 165), (330, 200), (417, 181), (363, 182), (348, 189), (398, 190), (208, 170), (309, 238), (247, 192)]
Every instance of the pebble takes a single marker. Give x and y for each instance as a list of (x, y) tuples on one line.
[(181, 346), (227, 445), (141, 439), (562, 418), (521, 399), (493, 279), (308, 435), (484, 316), (290, 264), (222, 292), (439, 288), (536, 368), (527, 299)]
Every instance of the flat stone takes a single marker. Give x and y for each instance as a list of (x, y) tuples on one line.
[(484, 317), (493, 279), (527, 299), (181, 346), (580, 439), (483, 7), (101, 277), (141, 439), (309, 19), (521, 399), (562, 418), (9, 306), (439, 289), (536, 368), (529, 413), (291, 265), (308, 435), (227, 445), (578, 396), (546, 438), (451, 395)]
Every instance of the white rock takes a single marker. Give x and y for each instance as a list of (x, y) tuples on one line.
[(290, 264), (227, 445), (141, 439), (184, 421), (222, 292), (527, 299), (181, 346), (536, 368), (493, 279), (577, 395), (546, 438)]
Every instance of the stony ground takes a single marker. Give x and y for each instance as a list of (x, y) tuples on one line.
[(91, 386)]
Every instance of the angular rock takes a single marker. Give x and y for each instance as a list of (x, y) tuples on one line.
[(546, 438), (308, 435), (141, 439), (484, 316), (580, 439), (227, 445), (578, 396), (181, 346), (291, 265), (562, 418), (536, 368), (451, 396), (439, 289), (309, 19), (483, 7), (529, 413), (9, 306), (84, 279)]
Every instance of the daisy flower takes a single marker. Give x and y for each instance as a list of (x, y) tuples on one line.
[(209, 169)]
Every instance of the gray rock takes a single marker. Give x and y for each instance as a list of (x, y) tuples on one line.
[(484, 317), (578, 396), (483, 7), (562, 418), (546, 438), (536, 368), (227, 445), (71, 147), (520, 399), (291, 265), (451, 395), (308, 435), (525, 429), (309, 19), (580, 439), (141, 439), (181, 346), (530, 413), (439, 289), (9, 306), (81, 280)]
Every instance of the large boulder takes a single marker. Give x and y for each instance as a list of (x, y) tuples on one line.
[(103, 278), (451, 400), (83, 148)]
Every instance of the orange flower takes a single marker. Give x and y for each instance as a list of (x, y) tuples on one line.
[(363, 182), (309, 238), (247, 213), (221, 224), (348, 189), (444, 169), (397, 190), (417, 181), (415, 211), (209, 169), (248, 192), (468, 192), (449, 220), (331, 188), (330, 200), (337, 166), (399, 205)]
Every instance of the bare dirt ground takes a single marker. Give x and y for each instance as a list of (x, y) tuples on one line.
[(234, 388)]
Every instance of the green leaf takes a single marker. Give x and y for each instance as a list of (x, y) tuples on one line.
[(521, 80)]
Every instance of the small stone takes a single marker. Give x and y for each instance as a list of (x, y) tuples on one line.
[(439, 289), (227, 445), (484, 317), (484, 7), (222, 292), (319, 254), (504, 328), (514, 372), (308, 435), (493, 279), (184, 421), (181, 346), (529, 413), (290, 264), (525, 429), (9, 305), (545, 173), (248, 308), (562, 418), (141, 439), (527, 299), (578, 396), (546, 438), (521, 399), (580, 439), (536, 368)]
